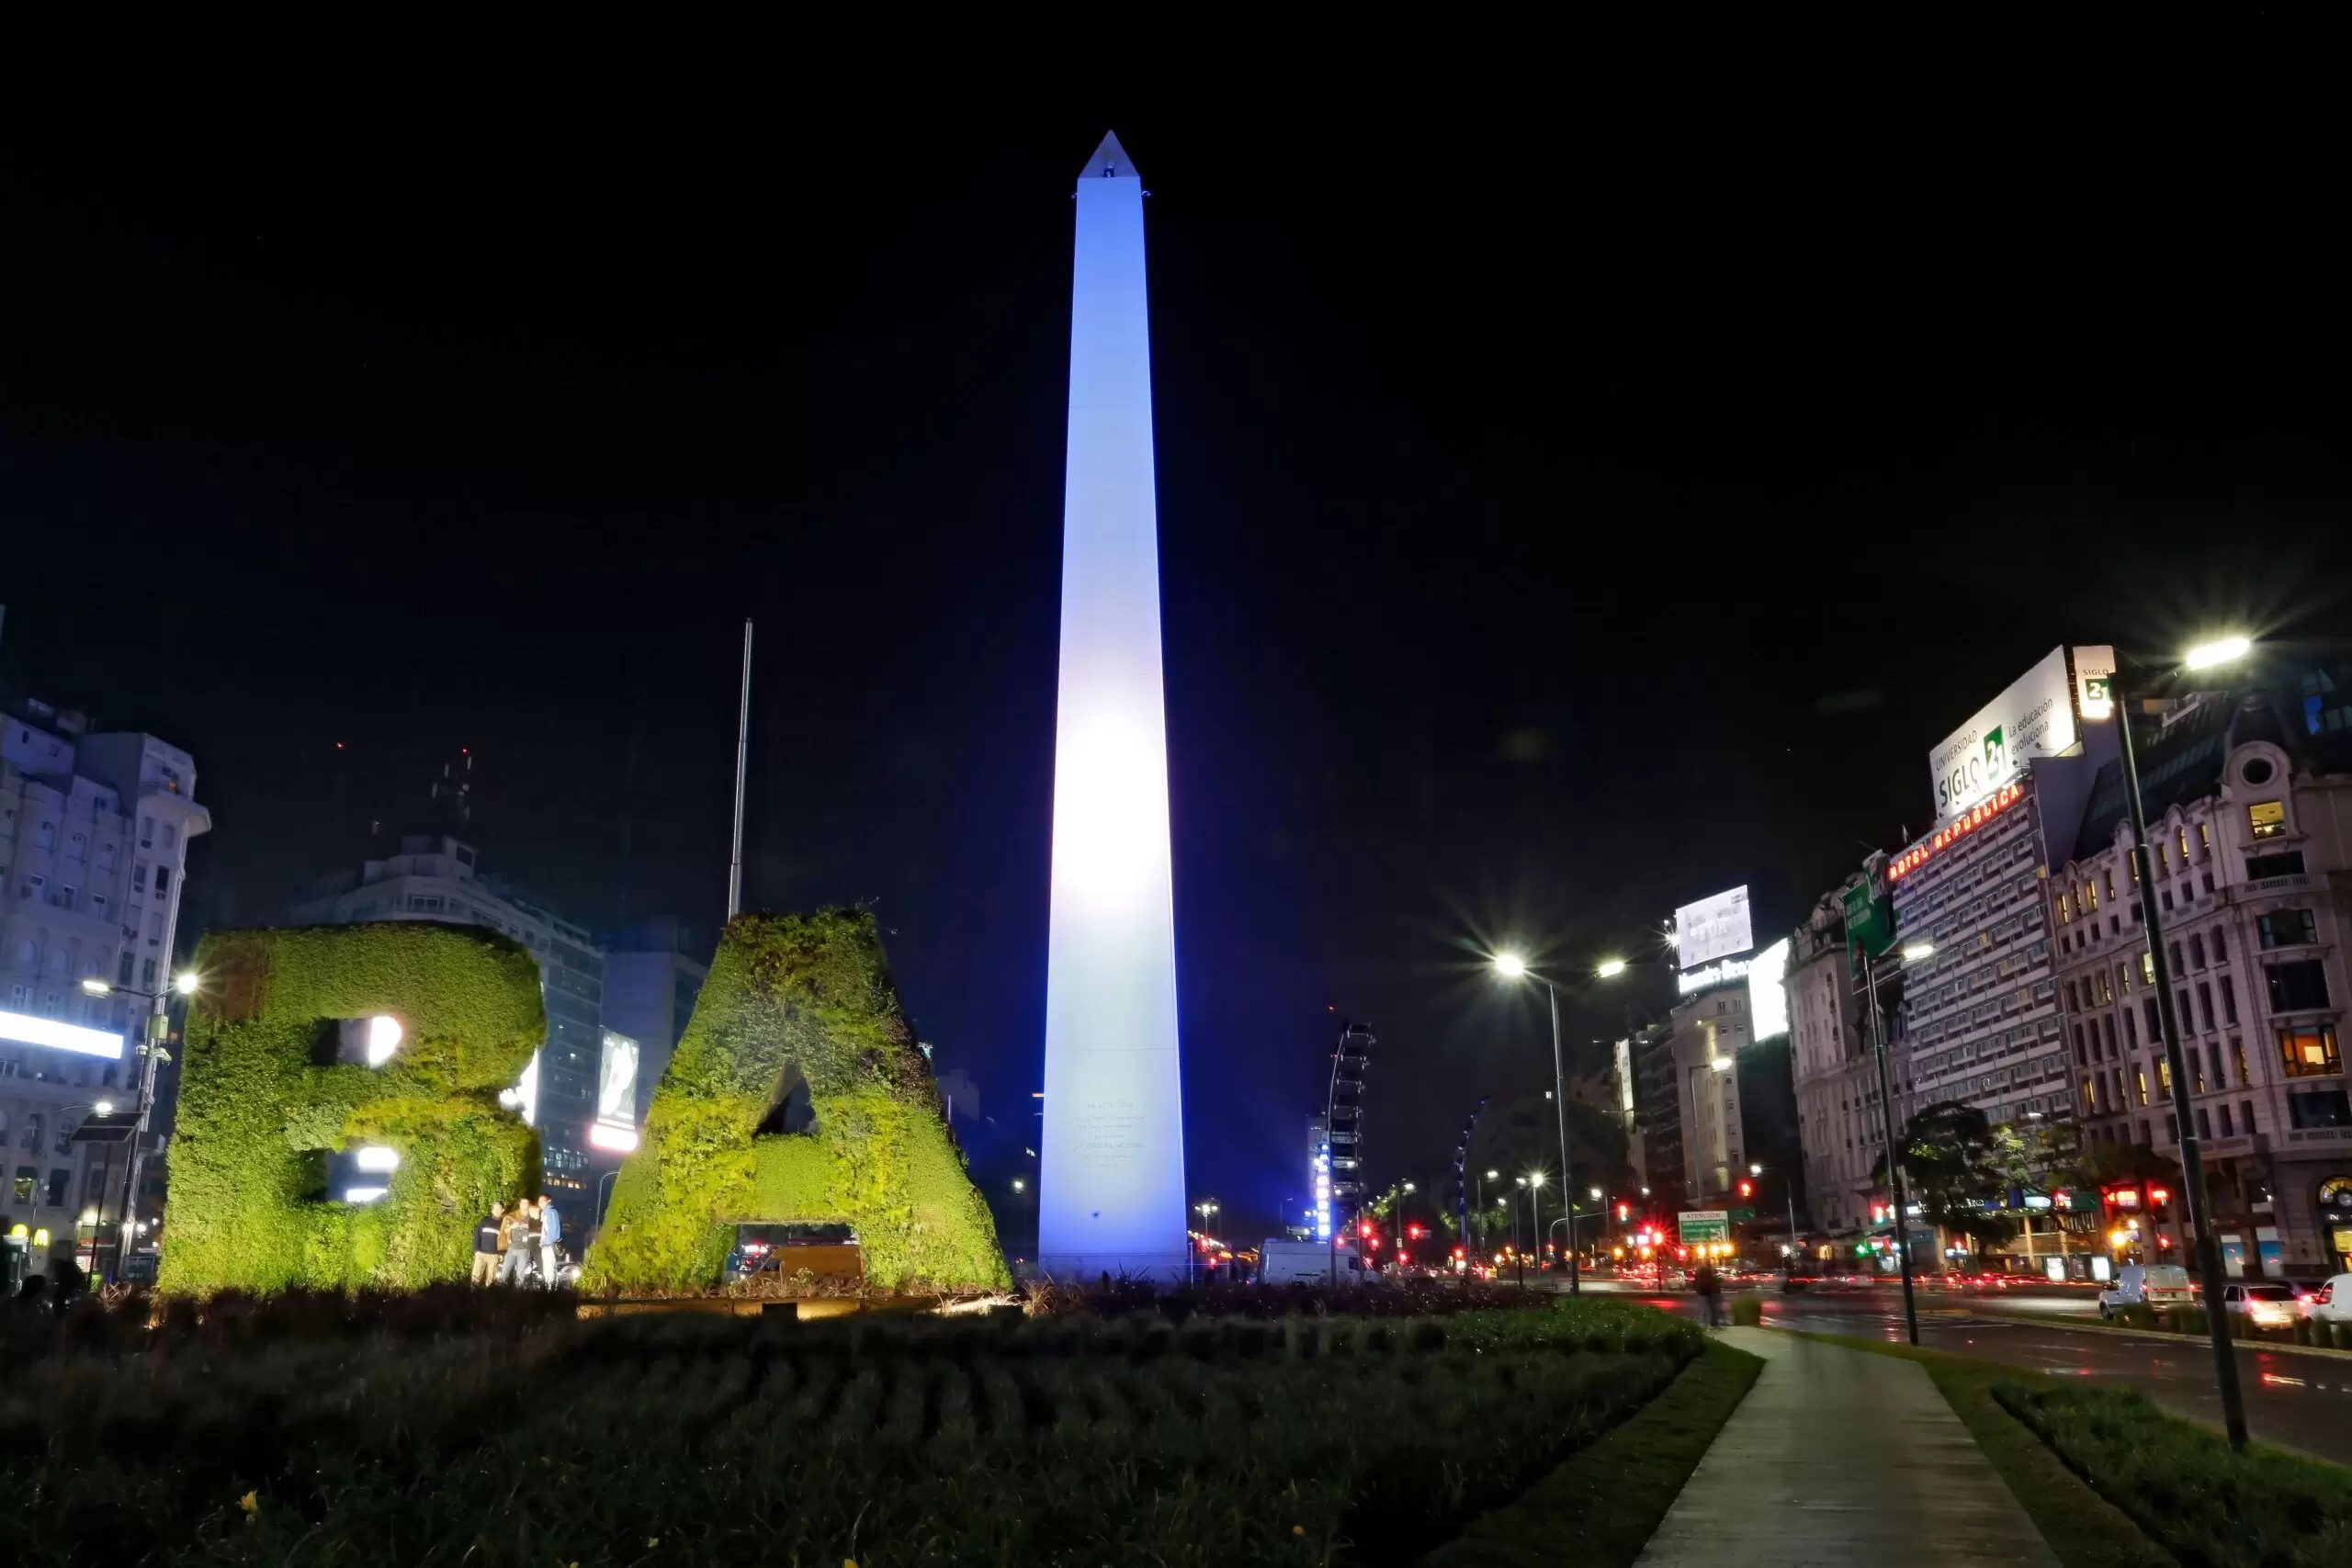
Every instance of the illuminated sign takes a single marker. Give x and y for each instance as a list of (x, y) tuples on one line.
[(2094, 682), (1974, 817), (1714, 975), (1768, 996), (1712, 928), (2035, 717), (24, 1029), (614, 1128)]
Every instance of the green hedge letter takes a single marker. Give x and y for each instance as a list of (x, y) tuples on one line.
[(307, 1044), (793, 999)]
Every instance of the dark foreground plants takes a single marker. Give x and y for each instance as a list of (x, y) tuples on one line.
[(690, 1439), (2184, 1487)]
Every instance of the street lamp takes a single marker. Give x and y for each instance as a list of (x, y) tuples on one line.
[(187, 983), (2204, 656), (1788, 1190), (1913, 952), (1511, 966)]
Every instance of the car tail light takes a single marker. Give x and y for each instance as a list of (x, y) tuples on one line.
[(2325, 1293)]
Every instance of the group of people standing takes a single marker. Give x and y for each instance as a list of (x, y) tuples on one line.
[(511, 1237)]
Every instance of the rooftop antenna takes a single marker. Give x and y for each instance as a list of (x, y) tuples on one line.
[(742, 744)]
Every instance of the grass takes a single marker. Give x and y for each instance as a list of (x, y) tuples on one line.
[(368, 1437), (1608, 1498), (2184, 1487), (2083, 1529)]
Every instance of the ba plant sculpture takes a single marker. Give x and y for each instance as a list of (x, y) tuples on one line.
[(306, 1043), (794, 997)]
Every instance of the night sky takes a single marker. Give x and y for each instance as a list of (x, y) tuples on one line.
[(1561, 519)]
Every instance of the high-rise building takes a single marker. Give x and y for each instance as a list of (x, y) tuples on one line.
[(437, 878), (1836, 1079), (93, 836), (2248, 806), (1112, 1181), (1980, 1020), (651, 978)]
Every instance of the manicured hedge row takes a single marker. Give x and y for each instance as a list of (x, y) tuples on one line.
[(2182, 1485), (792, 997), (257, 1108)]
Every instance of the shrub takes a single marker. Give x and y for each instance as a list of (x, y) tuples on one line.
[(795, 998), (2184, 1486), (261, 1097), (1073, 1439), (1748, 1312)]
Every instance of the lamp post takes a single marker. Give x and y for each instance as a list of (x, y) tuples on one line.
[(151, 1048), (1206, 1207), (1511, 966), (1483, 1222), (1912, 954), (2192, 1165)]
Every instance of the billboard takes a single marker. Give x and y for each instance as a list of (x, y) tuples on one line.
[(1713, 928), (616, 1124), (1767, 994), (2094, 682), (2035, 717)]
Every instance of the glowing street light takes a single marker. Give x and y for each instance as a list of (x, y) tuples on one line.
[(186, 981), (2221, 650), (94, 986), (1610, 968), (1914, 951), (1510, 965)]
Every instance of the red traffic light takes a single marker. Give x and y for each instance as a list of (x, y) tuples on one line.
[(1414, 1232), (1624, 1213), (1747, 1189)]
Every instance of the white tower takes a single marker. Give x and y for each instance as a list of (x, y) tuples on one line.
[(1112, 1180)]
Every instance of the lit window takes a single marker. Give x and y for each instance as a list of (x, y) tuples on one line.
[(2183, 844), (2204, 837), (2268, 819), (2141, 1074), (2066, 909), (2309, 1052)]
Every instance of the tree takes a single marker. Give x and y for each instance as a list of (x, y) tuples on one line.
[(1953, 1162)]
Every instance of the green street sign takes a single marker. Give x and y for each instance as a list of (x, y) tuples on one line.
[(1698, 1225), (1869, 920)]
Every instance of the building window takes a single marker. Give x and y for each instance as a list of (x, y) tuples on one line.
[(2197, 953), (2066, 909), (2204, 837), (2163, 856), (123, 970), (146, 832), (2319, 1108), (2156, 1031), (2228, 1130), (2288, 928), (2184, 843), (2130, 1032), (2205, 1007), (2167, 897), (2309, 1052), (2296, 987), (2285, 863), (2221, 948), (2246, 1114), (162, 880), (2141, 1075), (2204, 1123), (2268, 819), (2108, 1024), (57, 1181), (21, 1190), (147, 972), (2228, 1000), (2173, 952), (2148, 968)]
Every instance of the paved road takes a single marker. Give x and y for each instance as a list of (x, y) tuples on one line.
[(2302, 1402)]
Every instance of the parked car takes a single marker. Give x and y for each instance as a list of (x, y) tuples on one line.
[(2265, 1304), (2332, 1302), (2150, 1284), (1285, 1262)]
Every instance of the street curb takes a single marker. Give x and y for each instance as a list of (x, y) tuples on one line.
[(2157, 1334)]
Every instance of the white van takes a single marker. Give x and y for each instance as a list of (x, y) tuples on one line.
[(1289, 1262), (2153, 1284)]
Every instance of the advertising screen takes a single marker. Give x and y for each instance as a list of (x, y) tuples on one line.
[(2035, 717), (1713, 928)]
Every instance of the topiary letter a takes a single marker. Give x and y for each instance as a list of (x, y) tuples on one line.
[(309, 1041), (808, 995)]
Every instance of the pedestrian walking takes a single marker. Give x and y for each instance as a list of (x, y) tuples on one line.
[(550, 1233), (1709, 1286), (515, 1240), (486, 1245)]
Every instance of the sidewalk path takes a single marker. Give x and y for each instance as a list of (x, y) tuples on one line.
[(1841, 1456)]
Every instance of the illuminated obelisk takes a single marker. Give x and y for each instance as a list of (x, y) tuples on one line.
[(1110, 1196)]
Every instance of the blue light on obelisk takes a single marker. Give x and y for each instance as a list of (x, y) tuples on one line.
[(1110, 1194)]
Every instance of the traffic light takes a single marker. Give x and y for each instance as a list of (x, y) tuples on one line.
[(1747, 1190), (1624, 1213)]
